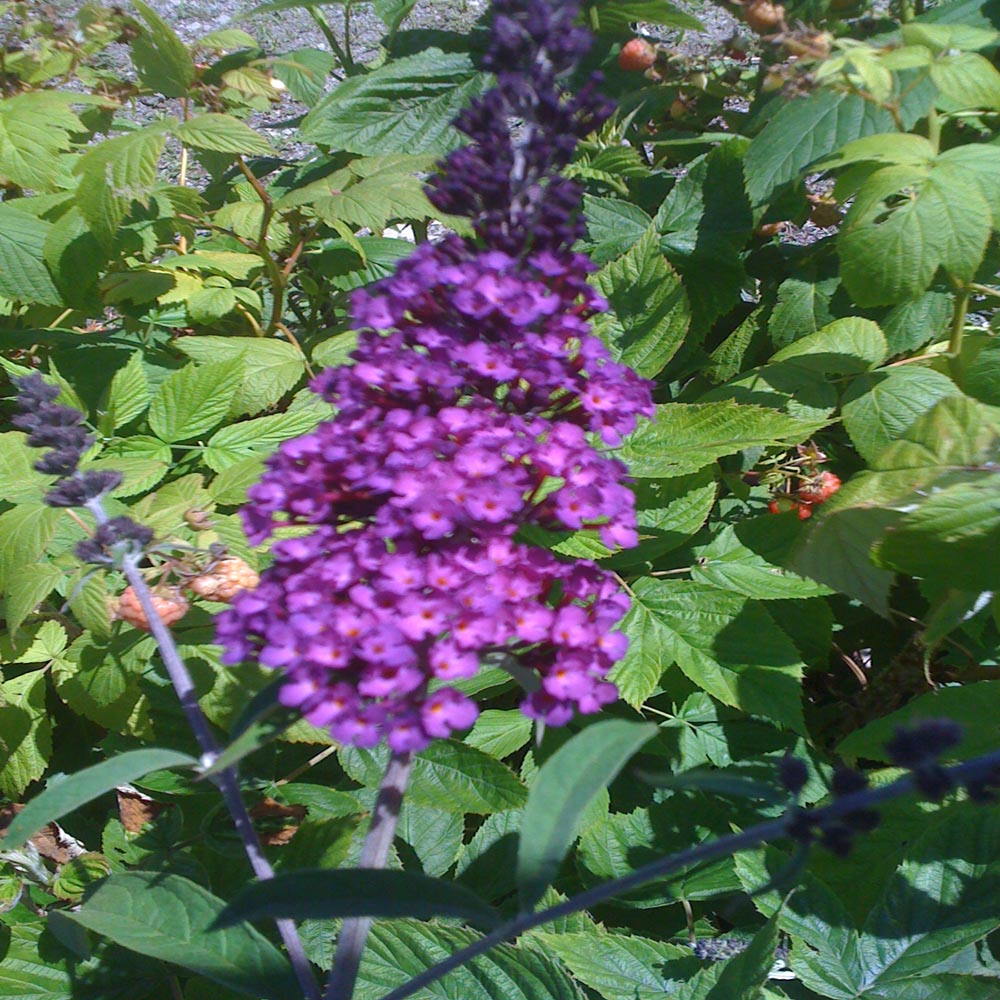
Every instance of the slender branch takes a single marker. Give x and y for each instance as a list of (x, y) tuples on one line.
[(225, 780), (378, 840), (328, 33), (778, 829)]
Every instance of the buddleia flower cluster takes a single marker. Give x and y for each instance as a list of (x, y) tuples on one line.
[(466, 419)]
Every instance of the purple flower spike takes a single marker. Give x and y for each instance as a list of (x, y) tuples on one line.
[(466, 418)]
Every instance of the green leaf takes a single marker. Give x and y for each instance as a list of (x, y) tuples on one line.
[(320, 894), (966, 81), (746, 558), (561, 793), (115, 173), (79, 874), (447, 775), (25, 732), (24, 275), (210, 303), (69, 792), (912, 324), (620, 965), (270, 368), (35, 128), (500, 732), (944, 538), (162, 60), (684, 438), (880, 406), (33, 584), (842, 347), (968, 705), (434, 835), (169, 918), (907, 222), (803, 307), (304, 73), (397, 950), (25, 532), (649, 315), (613, 226), (405, 106), (726, 644), (616, 17), (194, 399), (802, 132), (236, 442), (393, 12), (229, 488), (19, 482), (129, 393), (223, 134), (982, 378), (36, 966)]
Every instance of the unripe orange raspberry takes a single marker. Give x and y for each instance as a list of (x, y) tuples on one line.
[(819, 489), (637, 55), (224, 580), (763, 17), (170, 605)]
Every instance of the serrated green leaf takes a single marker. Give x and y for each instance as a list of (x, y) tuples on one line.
[(966, 81), (194, 399), (500, 732), (168, 917), (842, 347), (912, 324), (613, 226), (33, 584), (35, 127), (906, 223), (447, 775), (229, 488), (25, 532), (805, 130), (397, 950), (803, 307), (25, 732), (880, 406), (129, 393), (19, 482), (562, 792), (162, 60), (223, 134), (304, 73), (649, 313), (24, 275), (271, 368), (405, 106), (684, 438), (236, 442), (620, 965), (115, 173), (727, 644)]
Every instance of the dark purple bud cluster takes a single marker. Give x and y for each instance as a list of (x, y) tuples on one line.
[(837, 832), (524, 131), (919, 749), (60, 428), (465, 417)]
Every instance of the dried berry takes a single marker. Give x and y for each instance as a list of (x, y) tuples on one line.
[(169, 604), (224, 580)]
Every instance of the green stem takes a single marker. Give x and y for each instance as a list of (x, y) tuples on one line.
[(331, 39), (934, 130), (957, 332)]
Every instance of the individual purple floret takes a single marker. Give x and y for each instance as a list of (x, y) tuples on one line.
[(466, 417)]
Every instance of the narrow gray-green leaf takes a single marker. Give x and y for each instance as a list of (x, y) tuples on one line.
[(324, 894), (564, 788), (72, 791)]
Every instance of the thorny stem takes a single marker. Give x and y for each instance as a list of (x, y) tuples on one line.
[(778, 829), (225, 780), (378, 840)]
